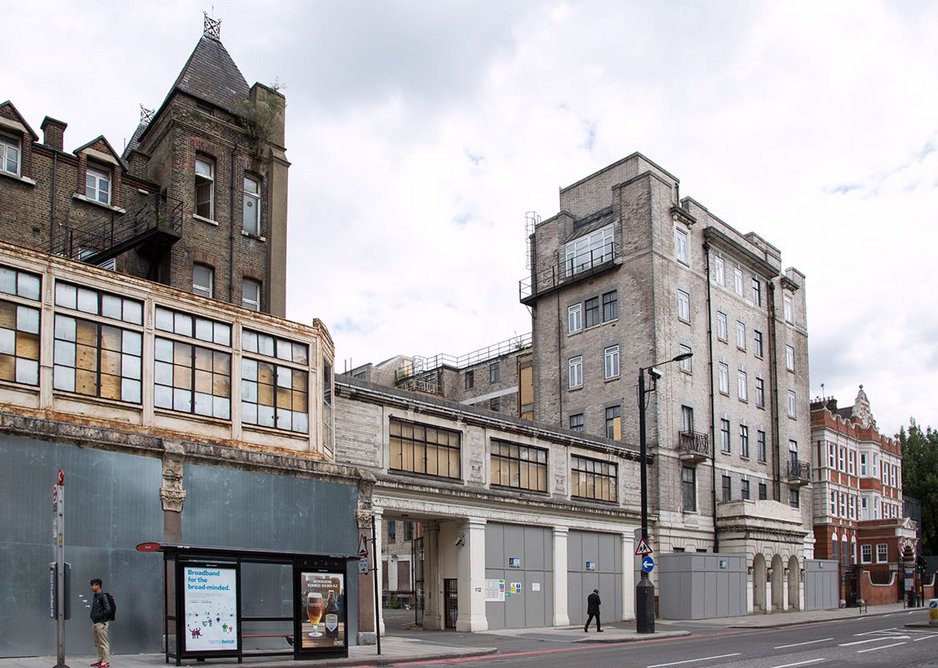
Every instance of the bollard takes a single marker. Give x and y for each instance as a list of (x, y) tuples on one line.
[(933, 612)]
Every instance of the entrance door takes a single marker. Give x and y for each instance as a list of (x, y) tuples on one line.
[(416, 560), (451, 600)]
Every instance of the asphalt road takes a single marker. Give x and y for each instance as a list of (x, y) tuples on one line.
[(867, 641)]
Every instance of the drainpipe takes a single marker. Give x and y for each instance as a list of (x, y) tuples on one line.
[(559, 355), (52, 209), (713, 442), (773, 390), (231, 225)]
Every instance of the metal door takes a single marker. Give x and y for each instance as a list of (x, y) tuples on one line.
[(416, 558), (451, 599)]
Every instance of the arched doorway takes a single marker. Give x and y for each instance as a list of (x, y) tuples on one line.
[(758, 583), (778, 577), (794, 582)]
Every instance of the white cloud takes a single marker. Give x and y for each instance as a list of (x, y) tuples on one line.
[(421, 132)]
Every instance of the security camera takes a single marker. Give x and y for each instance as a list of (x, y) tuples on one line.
[(655, 373), (461, 540)]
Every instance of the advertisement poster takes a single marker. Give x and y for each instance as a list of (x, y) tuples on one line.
[(211, 605), (324, 607)]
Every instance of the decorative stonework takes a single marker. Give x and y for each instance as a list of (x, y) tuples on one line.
[(172, 492), (861, 410)]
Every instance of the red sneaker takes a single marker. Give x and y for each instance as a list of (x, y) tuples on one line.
[(96, 663)]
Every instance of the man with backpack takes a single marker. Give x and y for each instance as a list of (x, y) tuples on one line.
[(102, 613)]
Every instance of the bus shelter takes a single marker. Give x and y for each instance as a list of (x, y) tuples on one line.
[(232, 603)]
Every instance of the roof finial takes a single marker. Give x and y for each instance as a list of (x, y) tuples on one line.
[(211, 28), (146, 115)]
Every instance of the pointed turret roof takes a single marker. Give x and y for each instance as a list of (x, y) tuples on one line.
[(211, 75)]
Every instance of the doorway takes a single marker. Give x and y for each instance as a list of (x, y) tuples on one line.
[(451, 600)]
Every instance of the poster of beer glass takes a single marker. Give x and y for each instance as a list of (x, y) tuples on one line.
[(324, 605), (211, 609)]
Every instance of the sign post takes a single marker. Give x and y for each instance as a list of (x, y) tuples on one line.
[(58, 546)]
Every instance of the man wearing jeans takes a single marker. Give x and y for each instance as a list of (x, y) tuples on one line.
[(100, 616)]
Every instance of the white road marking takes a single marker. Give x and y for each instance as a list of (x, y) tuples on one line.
[(874, 649), (800, 663), (891, 629), (703, 658), (799, 644), (933, 635), (863, 642)]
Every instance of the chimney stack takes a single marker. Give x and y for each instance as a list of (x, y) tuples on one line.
[(53, 133)]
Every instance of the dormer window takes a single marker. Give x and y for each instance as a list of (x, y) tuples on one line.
[(10, 155), (205, 188), (98, 184)]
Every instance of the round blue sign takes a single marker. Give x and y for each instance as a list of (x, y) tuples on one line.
[(648, 564)]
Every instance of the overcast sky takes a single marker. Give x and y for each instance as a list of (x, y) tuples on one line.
[(421, 132)]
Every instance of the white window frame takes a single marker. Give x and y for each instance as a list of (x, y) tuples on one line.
[(742, 385), (740, 335), (203, 288), (580, 254), (95, 177), (866, 554), (831, 455), (722, 332), (863, 466), (11, 151), (882, 553), (792, 404), (251, 200), (719, 271), (842, 459), (724, 378), (788, 307), (205, 177), (575, 372), (683, 305), (251, 301), (574, 318), (680, 246), (738, 280), (789, 357), (611, 362), (687, 365), (833, 506), (851, 462)]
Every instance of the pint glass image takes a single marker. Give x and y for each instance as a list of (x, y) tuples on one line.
[(314, 612)]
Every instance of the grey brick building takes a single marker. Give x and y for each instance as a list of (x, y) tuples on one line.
[(197, 200), (630, 274)]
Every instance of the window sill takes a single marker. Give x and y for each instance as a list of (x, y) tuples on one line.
[(728, 453), (249, 235), (109, 207), (15, 177), (610, 379), (195, 216)]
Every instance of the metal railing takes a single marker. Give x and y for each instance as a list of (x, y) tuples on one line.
[(421, 365), (799, 471), (564, 270), (115, 234), (694, 442)]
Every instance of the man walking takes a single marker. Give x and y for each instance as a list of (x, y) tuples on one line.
[(592, 610), (101, 614)]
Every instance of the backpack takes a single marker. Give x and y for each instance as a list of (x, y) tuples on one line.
[(113, 604)]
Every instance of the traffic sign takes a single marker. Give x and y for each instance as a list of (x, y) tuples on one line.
[(648, 564), (363, 565), (643, 547)]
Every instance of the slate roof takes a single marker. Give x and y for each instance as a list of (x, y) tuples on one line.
[(211, 75)]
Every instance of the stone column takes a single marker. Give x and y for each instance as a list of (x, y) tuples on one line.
[(433, 609), (379, 562), (172, 492), (561, 611), (629, 575), (471, 567)]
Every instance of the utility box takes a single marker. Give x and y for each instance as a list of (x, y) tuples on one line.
[(698, 585)]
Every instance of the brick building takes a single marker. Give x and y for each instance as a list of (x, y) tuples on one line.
[(859, 518), (197, 200), (630, 274)]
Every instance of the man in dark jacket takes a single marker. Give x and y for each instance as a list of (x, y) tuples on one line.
[(100, 617), (592, 609)]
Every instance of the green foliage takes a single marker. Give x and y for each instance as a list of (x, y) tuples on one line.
[(920, 478), (258, 119)]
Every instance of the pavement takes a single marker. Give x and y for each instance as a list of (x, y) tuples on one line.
[(405, 644)]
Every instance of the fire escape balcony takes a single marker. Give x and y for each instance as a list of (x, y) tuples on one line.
[(693, 447), (799, 473), (566, 271), (151, 228)]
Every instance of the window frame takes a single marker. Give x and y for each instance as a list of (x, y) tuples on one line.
[(719, 271), (866, 553), (689, 489), (726, 444), (576, 422), (758, 347), (683, 306), (756, 291), (100, 174), (589, 473), (744, 441), (613, 416), (611, 362), (789, 357), (687, 364), (761, 449), (610, 306), (575, 372), (246, 302), (722, 327), (203, 290), (204, 182), (792, 404), (251, 199), (681, 246), (882, 553), (738, 280), (11, 144), (740, 335), (517, 462), (724, 378), (788, 308), (592, 313), (760, 392), (407, 439), (580, 253), (742, 385), (574, 318), (727, 488)]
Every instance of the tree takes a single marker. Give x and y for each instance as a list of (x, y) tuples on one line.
[(920, 478)]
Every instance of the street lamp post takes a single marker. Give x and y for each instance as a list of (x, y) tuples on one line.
[(645, 590)]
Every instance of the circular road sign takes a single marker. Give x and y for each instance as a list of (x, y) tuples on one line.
[(648, 564)]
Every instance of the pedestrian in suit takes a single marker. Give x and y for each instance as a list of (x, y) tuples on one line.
[(592, 610)]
